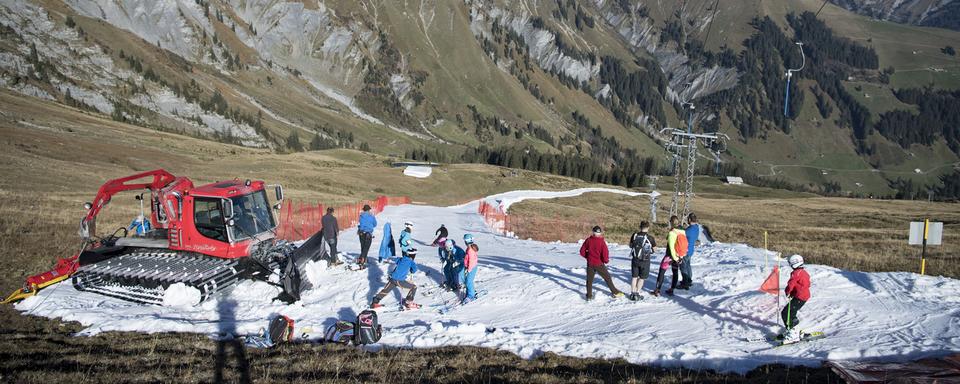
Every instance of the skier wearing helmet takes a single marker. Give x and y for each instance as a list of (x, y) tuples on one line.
[(406, 238), (595, 250), (469, 268), (452, 257), (798, 291)]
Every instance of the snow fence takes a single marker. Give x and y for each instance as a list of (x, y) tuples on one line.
[(299, 221)]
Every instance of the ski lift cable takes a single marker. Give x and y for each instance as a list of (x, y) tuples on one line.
[(803, 62), (821, 8), (710, 27)]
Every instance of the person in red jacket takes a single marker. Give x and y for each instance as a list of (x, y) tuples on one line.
[(595, 250), (798, 291)]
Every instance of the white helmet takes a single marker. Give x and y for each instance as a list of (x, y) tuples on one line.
[(795, 261), (408, 224)]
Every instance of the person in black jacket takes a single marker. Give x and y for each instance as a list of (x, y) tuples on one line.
[(330, 231), (441, 234), (641, 249)]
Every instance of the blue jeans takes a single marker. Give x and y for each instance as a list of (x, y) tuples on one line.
[(685, 270), (471, 290)]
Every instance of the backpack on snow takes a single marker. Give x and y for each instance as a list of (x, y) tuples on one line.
[(341, 332), (368, 330), (280, 330)]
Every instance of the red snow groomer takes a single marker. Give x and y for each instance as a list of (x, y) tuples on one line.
[(206, 237)]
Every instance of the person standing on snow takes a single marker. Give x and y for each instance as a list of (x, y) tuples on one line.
[(470, 268), (406, 238), (398, 278), (693, 233), (452, 257), (441, 234), (641, 245), (388, 248), (330, 231), (367, 224), (595, 250), (676, 250), (798, 291)]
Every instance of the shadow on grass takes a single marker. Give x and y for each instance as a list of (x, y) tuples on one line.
[(226, 309)]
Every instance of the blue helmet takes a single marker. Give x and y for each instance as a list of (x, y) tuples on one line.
[(468, 238)]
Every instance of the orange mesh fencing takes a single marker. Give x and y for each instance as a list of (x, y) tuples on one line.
[(299, 221), (535, 227)]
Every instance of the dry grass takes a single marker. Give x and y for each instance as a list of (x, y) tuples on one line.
[(862, 235), (34, 350)]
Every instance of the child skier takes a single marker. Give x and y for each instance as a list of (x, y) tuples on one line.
[(398, 278), (641, 244), (406, 237), (798, 291), (676, 250), (470, 266), (452, 257), (441, 234)]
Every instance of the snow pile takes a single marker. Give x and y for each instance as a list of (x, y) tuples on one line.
[(418, 171), (181, 295), (534, 304), (316, 272)]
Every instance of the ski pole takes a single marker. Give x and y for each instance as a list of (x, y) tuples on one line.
[(789, 303)]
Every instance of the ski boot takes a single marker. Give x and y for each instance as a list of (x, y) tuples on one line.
[(376, 306), (655, 293), (409, 305), (792, 336), (588, 297), (670, 292), (618, 295)]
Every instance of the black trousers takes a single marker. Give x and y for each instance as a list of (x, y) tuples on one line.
[(366, 239), (604, 274), (789, 313), (393, 284), (660, 275)]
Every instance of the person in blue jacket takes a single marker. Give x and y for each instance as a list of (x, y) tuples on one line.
[(365, 230), (452, 257), (388, 248), (406, 238), (398, 278), (693, 234)]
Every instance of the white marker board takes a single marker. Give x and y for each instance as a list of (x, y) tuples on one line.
[(934, 233)]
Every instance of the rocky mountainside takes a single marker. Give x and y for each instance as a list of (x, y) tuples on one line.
[(929, 13), (580, 88)]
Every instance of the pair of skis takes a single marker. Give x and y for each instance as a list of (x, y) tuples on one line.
[(779, 339), (456, 302)]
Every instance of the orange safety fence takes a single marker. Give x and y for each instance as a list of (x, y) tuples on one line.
[(299, 221), (537, 228)]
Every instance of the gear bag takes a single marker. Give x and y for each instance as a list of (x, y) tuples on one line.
[(644, 250), (341, 332), (280, 330), (680, 248), (368, 330)]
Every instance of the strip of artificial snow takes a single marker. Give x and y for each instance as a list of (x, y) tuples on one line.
[(506, 199), (418, 171), (535, 304)]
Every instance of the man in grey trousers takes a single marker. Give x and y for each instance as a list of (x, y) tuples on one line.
[(330, 231)]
